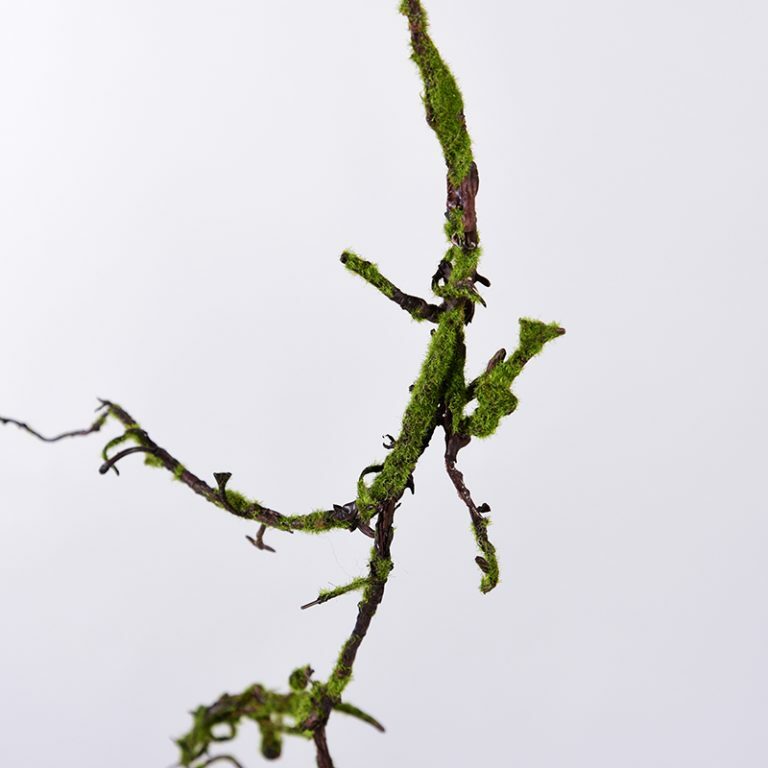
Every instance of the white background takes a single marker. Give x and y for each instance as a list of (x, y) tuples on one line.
[(178, 180)]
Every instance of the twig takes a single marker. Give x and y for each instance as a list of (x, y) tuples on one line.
[(349, 709), (487, 562), (324, 759), (95, 427), (258, 542), (418, 308)]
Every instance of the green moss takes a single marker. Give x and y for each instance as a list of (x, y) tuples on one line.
[(494, 398), (240, 503), (178, 471), (319, 521), (369, 272), (153, 461), (299, 678), (443, 102), (456, 391), (271, 741), (355, 584), (454, 225), (340, 678), (381, 566), (490, 563), (132, 434), (420, 417)]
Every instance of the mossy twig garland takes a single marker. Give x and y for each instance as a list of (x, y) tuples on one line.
[(440, 397)]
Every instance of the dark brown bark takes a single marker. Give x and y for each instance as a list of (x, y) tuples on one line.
[(324, 759)]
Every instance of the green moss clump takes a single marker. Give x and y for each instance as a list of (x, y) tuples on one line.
[(494, 398), (456, 391), (271, 741), (319, 521), (369, 272), (382, 567), (355, 584), (420, 417), (299, 678), (443, 102), (242, 505)]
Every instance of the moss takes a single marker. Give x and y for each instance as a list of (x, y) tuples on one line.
[(494, 398), (456, 391), (240, 503), (299, 678), (381, 566), (153, 461), (369, 272), (454, 225), (271, 741), (355, 584), (178, 471), (131, 434), (442, 98), (319, 521), (420, 416), (490, 563), (339, 680)]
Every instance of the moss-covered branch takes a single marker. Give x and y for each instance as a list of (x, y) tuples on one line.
[(439, 398), (492, 388), (234, 502), (443, 101), (417, 308)]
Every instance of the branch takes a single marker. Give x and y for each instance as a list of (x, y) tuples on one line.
[(438, 397), (416, 307), (380, 567), (487, 562), (353, 711), (492, 388), (329, 594), (443, 102), (95, 427), (258, 542), (340, 517), (321, 744)]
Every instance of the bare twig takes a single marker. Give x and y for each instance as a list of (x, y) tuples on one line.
[(324, 759), (258, 542), (95, 427)]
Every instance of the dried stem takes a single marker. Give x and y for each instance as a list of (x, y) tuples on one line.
[(95, 427), (323, 755)]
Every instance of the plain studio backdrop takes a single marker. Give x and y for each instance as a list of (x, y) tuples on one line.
[(178, 181)]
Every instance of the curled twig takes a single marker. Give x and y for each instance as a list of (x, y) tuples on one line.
[(110, 463)]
